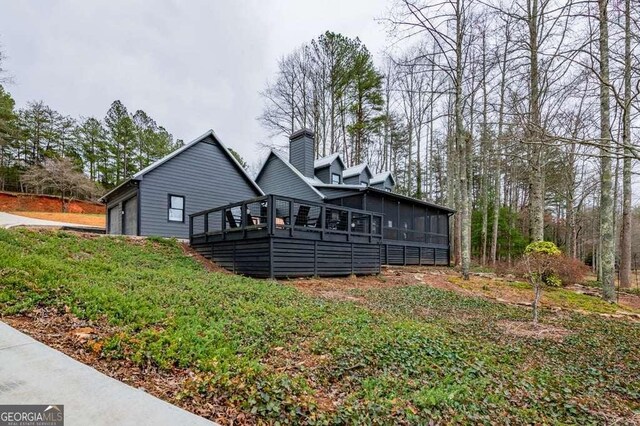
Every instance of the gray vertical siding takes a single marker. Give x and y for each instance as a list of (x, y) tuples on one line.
[(301, 155), (277, 178), (203, 175)]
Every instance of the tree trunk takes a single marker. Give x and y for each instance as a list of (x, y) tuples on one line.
[(498, 150), (536, 300), (465, 222), (607, 251), (484, 182), (625, 237), (537, 181)]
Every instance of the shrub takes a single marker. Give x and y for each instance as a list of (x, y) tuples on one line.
[(542, 248), (540, 264), (570, 271)]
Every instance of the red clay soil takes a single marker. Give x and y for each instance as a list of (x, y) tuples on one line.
[(12, 201)]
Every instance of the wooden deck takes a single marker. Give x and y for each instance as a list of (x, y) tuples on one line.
[(275, 236)]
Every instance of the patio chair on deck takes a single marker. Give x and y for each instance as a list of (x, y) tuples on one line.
[(230, 219), (302, 218)]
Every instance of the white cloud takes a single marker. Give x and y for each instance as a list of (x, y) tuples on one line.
[(190, 65)]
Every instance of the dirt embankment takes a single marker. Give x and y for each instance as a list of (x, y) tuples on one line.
[(12, 202)]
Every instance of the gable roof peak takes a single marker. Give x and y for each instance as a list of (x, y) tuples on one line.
[(381, 177), (356, 170), (328, 160), (209, 133)]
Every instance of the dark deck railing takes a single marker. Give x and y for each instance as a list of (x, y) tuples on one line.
[(275, 215)]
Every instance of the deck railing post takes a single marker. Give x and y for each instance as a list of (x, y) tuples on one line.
[(323, 221), (291, 221), (271, 214), (349, 223), (243, 219), (206, 222), (223, 222)]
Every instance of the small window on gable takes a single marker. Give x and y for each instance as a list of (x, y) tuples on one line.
[(335, 178), (176, 208)]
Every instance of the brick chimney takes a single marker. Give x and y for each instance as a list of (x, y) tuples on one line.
[(301, 151)]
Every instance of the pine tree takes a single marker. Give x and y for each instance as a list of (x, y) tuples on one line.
[(8, 134), (92, 139), (121, 131)]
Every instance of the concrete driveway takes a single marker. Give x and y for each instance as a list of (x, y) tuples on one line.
[(33, 373), (8, 220)]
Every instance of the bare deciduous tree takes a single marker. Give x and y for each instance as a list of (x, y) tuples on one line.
[(60, 177)]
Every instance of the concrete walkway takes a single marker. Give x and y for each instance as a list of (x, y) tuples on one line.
[(8, 220), (33, 373)]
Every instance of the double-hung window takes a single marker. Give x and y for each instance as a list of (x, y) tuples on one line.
[(176, 208), (335, 178)]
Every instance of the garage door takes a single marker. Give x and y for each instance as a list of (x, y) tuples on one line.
[(131, 216), (115, 220)]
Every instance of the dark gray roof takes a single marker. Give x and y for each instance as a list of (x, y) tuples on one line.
[(356, 170), (358, 188), (209, 133), (327, 161), (381, 177)]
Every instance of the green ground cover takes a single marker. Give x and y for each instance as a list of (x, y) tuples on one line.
[(408, 354)]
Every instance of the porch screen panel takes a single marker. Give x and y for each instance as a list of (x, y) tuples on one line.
[(406, 222), (390, 220)]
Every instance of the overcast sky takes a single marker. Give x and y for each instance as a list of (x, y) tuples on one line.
[(190, 65)]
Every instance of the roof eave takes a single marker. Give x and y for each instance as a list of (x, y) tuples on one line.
[(140, 175), (117, 188)]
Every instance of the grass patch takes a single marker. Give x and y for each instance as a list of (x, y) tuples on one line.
[(522, 291), (571, 299), (404, 355)]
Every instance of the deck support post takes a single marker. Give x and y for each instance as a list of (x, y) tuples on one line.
[(315, 258), (271, 271), (352, 271)]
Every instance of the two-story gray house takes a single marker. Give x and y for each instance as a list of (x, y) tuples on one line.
[(158, 199)]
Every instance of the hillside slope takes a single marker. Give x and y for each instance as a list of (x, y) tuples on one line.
[(241, 350)]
